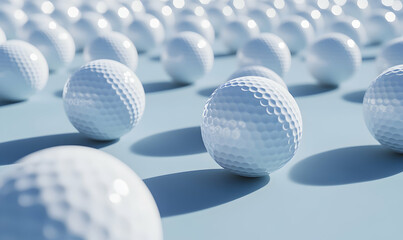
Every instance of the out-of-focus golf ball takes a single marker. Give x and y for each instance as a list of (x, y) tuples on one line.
[(265, 16), (383, 108), (351, 27), (187, 57), (381, 26), (390, 55), (118, 16), (258, 71), (314, 16), (65, 14), (55, 43), (239, 31), (90, 26), (146, 32), (197, 25), (219, 15), (165, 15), (3, 37), (356, 8), (297, 33), (114, 46), (333, 59), (11, 19), (267, 50), (35, 22), (251, 126), (23, 70), (192, 9), (104, 99), (74, 192)]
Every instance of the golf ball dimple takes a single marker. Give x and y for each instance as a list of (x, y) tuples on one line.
[(351, 27), (258, 71), (74, 192), (267, 50), (197, 25), (333, 59), (383, 108), (11, 19), (297, 33), (104, 99), (187, 57), (239, 31), (381, 26), (265, 16), (23, 70), (55, 43), (3, 37), (251, 126), (390, 55), (113, 46)]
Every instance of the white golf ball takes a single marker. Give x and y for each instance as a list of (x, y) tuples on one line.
[(74, 192), (113, 46), (192, 9), (351, 27), (267, 50), (383, 108), (239, 31), (251, 126), (136, 7), (297, 33), (356, 8), (165, 15), (390, 55), (66, 14), (35, 22), (265, 16), (333, 59), (23, 70), (314, 16), (219, 15), (197, 25), (381, 26), (258, 71), (104, 99), (55, 43), (331, 14), (3, 37), (187, 57), (118, 16), (11, 19), (90, 26)]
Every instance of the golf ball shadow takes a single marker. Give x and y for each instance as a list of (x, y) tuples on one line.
[(186, 192), (355, 97), (303, 90), (161, 86), (347, 165)]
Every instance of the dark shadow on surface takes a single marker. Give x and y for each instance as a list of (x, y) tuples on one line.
[(368, 58), (192, 191), (355, 97), (224, 54), (177, 142), (206, 92), (6, 102), (161, 86), (12, 151), (155, 58), (347, 165), (59, 93), (303, 90)]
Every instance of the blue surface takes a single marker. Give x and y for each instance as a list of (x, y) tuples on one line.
[(340, 185)]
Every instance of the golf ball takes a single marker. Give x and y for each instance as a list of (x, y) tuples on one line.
[(258, 71), (35, 22), (55, 43), (238, 31), (382, 25), (11, 19), (23, 70), (219, 15), (314, 16), (118, 16), (146, 32), (165, 16), (390, 55), (297, 33), (351, 27), (66, 14), (333, 59), (187, 57), (73, 192), (265, 16), (104, 99), (251, 126), (267, 50), (383, 108), (197, 25), (114, 46)]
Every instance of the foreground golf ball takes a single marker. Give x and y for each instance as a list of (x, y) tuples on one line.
[(146, 32), (251, 126), (197, 25), (351, 27), (55, 43), (187, 57), (258, 71), (239, 31), (383, 108), (267, 50), (114, 46), (23, 70), (104, 99), (73, 192), (390, 55), (296, 32), (333, 59)]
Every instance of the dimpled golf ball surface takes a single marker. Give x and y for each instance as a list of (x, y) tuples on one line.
[(23, 70), (251, 126), (383, 108), (267, 50), (79, 193), (104, 99), (187, 57), (390, 55), (114, 46), (258, 71), (333, 59)]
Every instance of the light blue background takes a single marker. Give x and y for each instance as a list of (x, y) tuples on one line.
[(340, 185)]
